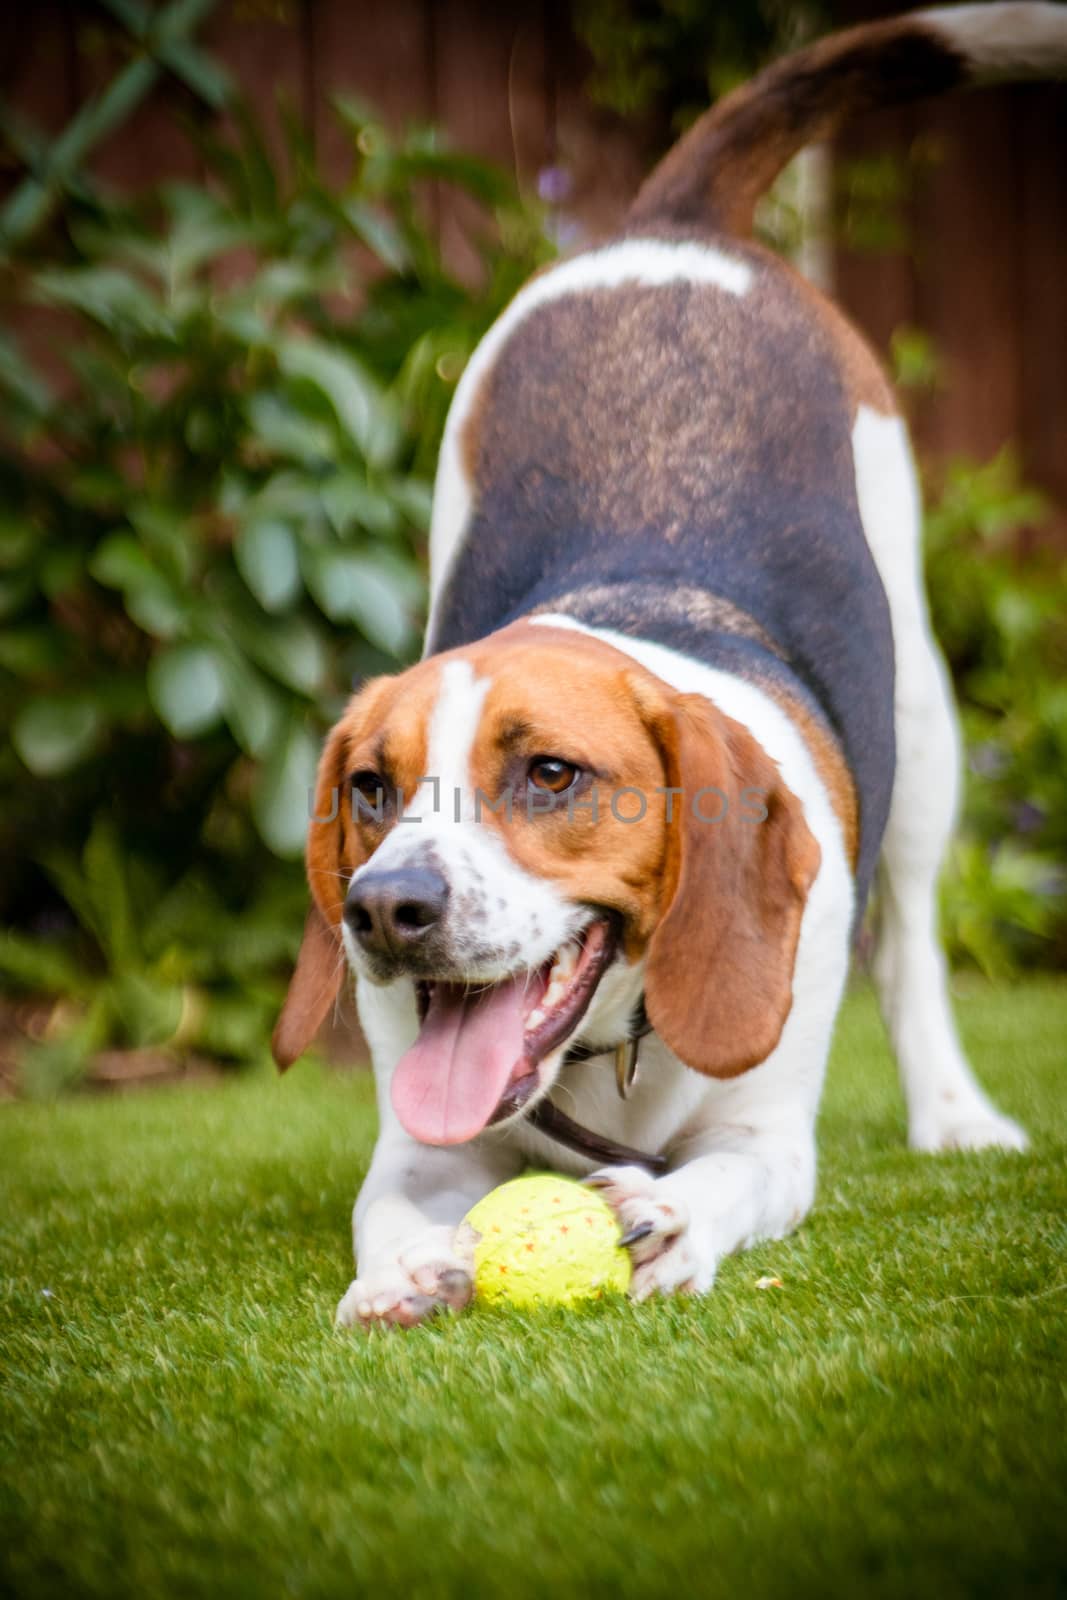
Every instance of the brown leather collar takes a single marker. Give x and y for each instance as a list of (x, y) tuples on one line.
[(555, 1124)]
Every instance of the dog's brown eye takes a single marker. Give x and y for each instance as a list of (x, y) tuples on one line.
[(368, 787), (552, 774)]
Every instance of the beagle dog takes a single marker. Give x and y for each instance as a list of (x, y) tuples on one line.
[(598, 860)]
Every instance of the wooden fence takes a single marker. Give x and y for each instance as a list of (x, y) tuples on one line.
[(985, 272)]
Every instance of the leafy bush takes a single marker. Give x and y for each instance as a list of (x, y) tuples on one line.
[(1000, 612), (215, 497)]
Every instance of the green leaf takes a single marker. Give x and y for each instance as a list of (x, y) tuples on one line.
[(279, 427), (265, 553), (414, 497), (147, 1009), (35, 965), (291, 651), (54, 734), (290, 495), (22, 383), (188, 914), (119, 562), (365, 589), (165, 532), (155, 608), (107, 887), (252, 709), (349, 500), (280, 803), (196, 240), (1018, 615), (281, 281), (379, 232), (107, 295), (361, 407), (186, 687), (244, 322), (67, 874)]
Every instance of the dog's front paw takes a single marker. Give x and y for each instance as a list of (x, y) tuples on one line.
[(655, 1229), (425, 1278)]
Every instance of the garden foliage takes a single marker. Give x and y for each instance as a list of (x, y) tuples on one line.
[(216, 476), (999, 606), (216, 480)]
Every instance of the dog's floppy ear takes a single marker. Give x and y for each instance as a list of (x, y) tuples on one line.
[(719, 978), (313, 988), (320, 965)]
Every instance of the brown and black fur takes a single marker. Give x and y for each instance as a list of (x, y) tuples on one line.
[(701, 495)]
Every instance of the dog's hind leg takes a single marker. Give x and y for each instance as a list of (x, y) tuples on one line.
[(946, 1107)]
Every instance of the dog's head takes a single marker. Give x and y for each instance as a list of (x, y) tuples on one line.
[(536, 830)]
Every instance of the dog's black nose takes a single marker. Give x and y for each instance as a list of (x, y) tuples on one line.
[(390, 911)]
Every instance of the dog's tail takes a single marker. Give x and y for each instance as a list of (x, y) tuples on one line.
[(716, 173)]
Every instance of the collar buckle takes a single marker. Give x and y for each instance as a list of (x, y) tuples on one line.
[(626, 1065)]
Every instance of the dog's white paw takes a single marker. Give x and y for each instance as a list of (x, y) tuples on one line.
[(655, 1229), (971, 1127), (426, 1277)]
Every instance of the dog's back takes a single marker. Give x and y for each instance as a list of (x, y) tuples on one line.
[(672, 460)]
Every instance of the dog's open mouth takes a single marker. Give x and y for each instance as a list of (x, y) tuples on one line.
[(475, 1060)]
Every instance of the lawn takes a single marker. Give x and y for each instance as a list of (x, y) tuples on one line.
[(179, 1417)]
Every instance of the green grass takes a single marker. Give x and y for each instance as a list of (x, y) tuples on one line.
[(179, 1417)]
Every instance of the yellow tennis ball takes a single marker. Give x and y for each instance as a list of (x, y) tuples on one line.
[(546, 1240)]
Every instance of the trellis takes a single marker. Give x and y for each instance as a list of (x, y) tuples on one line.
[(162, 43)]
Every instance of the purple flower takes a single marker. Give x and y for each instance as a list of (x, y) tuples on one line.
[(554, 185), (1027, 817)]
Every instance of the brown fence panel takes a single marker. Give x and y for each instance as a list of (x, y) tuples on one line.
[(1043, 285), (379, 50), (985, 277)]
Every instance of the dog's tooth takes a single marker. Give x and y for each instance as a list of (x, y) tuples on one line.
[(536, 1017), (566, 960)]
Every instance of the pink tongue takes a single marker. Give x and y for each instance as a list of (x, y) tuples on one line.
[(447, 1086)]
